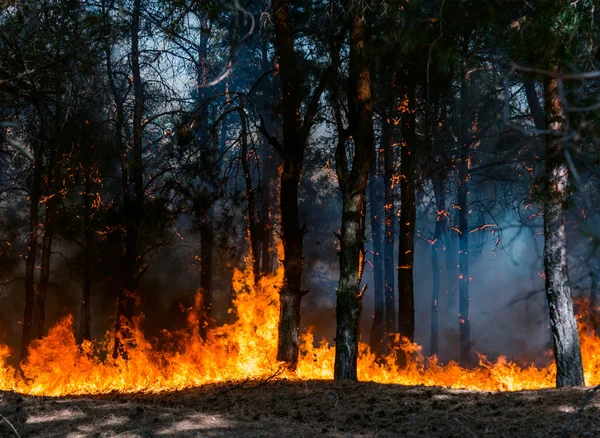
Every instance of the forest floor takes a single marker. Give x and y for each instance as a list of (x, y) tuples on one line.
[(281, 408)]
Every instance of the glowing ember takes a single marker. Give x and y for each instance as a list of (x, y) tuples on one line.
[(247, 349)]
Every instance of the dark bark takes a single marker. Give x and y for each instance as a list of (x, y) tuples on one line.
[(463, 220), (440, 199), (205, 214), (295, 134), (353, 186), (594, 297), (565, 337), (253, 223), (390, 225), (134, 205), (31, 252), (85, 331), (567, 352), (451, 253), (406, 230), (268, 178), (47, 239), (377, 215)]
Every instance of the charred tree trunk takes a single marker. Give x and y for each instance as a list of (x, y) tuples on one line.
[(291, 293), (295, 135), (269, 170), (440, 198), (377, 215), (47, 239), (253, 224), (32, 252), (463, 221), (267, 250), (134, 205), (206, 209), (390, 225), (406, 238), (567, 353), (85, 330), (451, 253), (594, 297), (353, 186)]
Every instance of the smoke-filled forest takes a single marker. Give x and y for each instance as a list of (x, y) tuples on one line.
[(299, 218)]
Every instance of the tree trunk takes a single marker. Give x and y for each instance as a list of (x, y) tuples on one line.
[(31, 252), (440, 198), (567, 353), (390, 225), (295, 134), (290, 293), (85, 331), (133, 205), (406, 238), (45, 268), (463, 221), (253, 224), (47, 239), (377, 215), (353, 186), (451, 271), (565, 337), (594, 296)]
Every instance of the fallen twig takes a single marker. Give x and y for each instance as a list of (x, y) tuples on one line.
[(11, 426)]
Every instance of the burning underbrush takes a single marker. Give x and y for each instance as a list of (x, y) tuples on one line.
[(57, 365)]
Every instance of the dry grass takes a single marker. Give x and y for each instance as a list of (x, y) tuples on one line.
[(305, 409)]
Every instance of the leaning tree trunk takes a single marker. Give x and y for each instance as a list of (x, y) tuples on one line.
[(463, 221), (353, 186), (567, 352), (406, 237), (31, 253), (377, 214)]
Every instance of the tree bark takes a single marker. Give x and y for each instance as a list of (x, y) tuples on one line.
[(567, 353), (565, 337), (31, 252), (85, 330), (377, 215), (295, 134), (390, 225), (440, 198), (48, 237), (353, 186), (594, 296), (206, 209), (134, 205), (406, 238), (463, 220)]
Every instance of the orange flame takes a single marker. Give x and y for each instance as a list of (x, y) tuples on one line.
[(247, 349)]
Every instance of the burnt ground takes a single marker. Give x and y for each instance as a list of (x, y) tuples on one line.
[(306, 409)]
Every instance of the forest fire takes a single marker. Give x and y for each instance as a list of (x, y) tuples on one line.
[(246, 349)]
